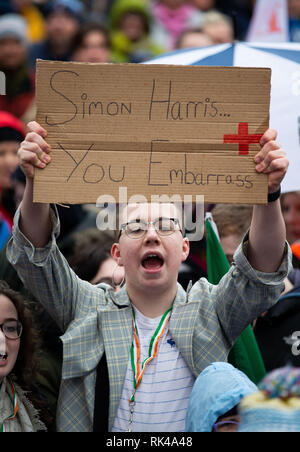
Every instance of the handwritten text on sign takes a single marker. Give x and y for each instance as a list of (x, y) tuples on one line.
[(151, 128)]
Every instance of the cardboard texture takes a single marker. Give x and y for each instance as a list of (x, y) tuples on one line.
[(154, 129)]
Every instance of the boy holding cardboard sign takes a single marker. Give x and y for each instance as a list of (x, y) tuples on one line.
[(152, 336)]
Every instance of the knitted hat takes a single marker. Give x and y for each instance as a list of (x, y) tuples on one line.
[(13, 25), (276, 406), (11, 128), (121, 7)]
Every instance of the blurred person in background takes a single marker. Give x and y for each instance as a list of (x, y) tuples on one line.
[(20, 83), (20, 398), (290, 205), (62, 23), (130, 24), (194, 37), (91, 259), (12, 132), (171, 18), (275, 330), (218, 27), (240, 12), (33, 16), (92, 44), (294, 20), (233, 221)]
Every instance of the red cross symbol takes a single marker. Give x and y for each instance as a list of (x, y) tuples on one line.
[(243, 138)]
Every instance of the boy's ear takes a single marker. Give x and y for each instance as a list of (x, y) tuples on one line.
[(185, 248), (115, 254)]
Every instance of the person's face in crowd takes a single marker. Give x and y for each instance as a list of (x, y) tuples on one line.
[(8, 162), (109, 274), (94, 49), (151, 262), (12, 53), (61, 27), (204, 5), (291, 213), (133, 26), (9, 348), (230, 244), (219, 32), (294, 8), (195, 39)]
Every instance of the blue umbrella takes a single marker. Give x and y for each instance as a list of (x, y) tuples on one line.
[(284, 60)]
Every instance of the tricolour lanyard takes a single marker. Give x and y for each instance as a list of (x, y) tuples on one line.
[(138, 371), (15, 405)]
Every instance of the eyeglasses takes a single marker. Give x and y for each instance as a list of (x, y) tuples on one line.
[(12, 329), (224, 426), (137, 229)]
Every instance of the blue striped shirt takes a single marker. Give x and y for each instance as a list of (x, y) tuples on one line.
[(163, 395)]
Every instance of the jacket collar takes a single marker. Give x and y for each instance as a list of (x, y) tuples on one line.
[(122, 300)]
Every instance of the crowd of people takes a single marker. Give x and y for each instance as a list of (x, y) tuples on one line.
[(79, 306)]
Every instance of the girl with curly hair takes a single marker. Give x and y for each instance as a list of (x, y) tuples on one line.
[(18, 366)]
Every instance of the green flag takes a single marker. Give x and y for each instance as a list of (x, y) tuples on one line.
[(245, 354)]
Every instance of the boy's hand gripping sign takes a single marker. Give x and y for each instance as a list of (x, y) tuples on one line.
[(154, 129)]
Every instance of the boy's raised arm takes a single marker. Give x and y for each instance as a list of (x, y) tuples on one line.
[(267, 231), (35, 221)]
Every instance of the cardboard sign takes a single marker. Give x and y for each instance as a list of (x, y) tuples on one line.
[(153, 129)]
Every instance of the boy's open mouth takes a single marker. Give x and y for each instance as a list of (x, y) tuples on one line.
[(152, 261)]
